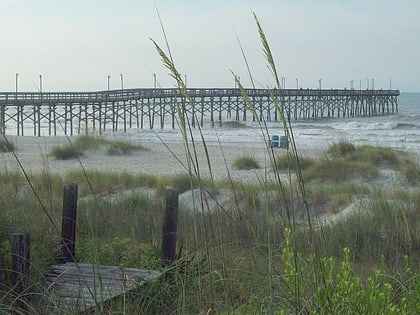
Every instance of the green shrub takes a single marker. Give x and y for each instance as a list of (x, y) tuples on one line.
[(319, 286)]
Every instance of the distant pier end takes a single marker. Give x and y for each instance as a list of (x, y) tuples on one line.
[(52, 113)]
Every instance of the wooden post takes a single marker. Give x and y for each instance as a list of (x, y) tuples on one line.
[(20, 267), (170, 227), (68, 228)]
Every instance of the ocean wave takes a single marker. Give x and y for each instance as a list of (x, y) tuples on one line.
[(357, 125), (406, 126), (312, 126)]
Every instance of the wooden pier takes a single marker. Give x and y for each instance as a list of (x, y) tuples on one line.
[(52, 113)]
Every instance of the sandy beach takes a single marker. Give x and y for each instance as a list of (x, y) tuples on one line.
[(160, 159)]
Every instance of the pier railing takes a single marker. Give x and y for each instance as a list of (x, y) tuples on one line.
[(13, 98)]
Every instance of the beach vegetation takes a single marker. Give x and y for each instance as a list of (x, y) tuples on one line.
[(336, 170), (76, 148), (341, 149), (332, 198), (182, 182), (100, 183), (284, 162), (377, 156), (411, 170), (65, 152), (345, 161), (374, 155), (123, 147), (245, 163), (84, 142)]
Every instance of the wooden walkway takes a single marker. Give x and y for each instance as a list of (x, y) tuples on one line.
[(75, 287), (52, 113)]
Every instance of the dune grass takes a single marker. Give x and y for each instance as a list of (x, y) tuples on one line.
[(84, 143), (67, 152), (373, 155), (344, 161), (284, 162), (245, 163)]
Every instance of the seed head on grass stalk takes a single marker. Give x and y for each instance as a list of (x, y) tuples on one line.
[(183, 121), (291, 152), (279, 105), (263, 126), (260, 120)]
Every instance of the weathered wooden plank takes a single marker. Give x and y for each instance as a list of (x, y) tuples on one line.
[(68, 227), (169, 229), (20, 267), (78, 287)]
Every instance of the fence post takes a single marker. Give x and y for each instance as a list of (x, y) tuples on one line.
[(68, 228), (169, 228), (20, 267)]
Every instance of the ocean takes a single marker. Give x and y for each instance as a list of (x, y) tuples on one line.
[(399, 131)]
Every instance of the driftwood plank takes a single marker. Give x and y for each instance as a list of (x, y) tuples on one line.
[(80, 287)]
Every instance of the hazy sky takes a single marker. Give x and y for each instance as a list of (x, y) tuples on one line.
[(76, 44)]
